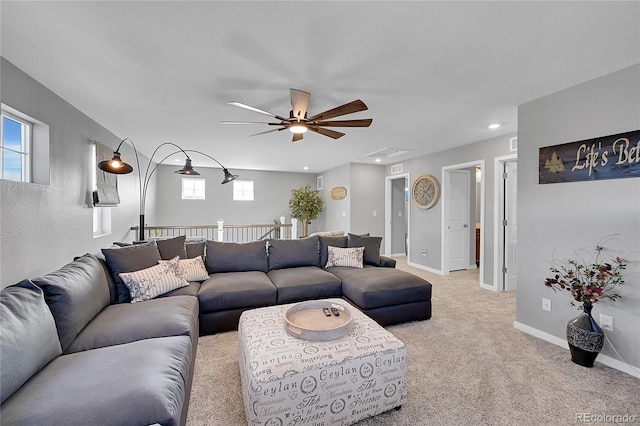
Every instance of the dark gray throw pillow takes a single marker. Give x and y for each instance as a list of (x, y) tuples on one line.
[(195, 249), (172, 247), (130, 259), (324, 242), (29, 339), (236, 257), (371, 247), (293, 253)]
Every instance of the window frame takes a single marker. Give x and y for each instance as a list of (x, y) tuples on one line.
[(246, 194), (26, 143), (194, 189)]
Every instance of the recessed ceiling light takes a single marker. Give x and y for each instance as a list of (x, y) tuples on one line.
[(377, 160), (494, 126), (306, 168)]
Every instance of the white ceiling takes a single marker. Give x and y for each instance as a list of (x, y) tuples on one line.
[(434, 74)]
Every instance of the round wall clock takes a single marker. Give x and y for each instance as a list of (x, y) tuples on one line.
[(425, 192)]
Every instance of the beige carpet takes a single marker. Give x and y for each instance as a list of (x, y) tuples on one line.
[(467, 365)]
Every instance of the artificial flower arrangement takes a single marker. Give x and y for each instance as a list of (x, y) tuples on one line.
[(588, 282)]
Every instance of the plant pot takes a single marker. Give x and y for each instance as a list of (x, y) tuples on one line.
[(585, 338)]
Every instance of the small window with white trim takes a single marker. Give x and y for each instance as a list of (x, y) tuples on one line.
[(15, 148), (193, 189), (243, 190)]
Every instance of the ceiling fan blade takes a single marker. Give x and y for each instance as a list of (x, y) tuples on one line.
[(254, 109), (350, 108), (299, 102), (326, 132), (250, 122), (365, 122), (297, 137), (268, 131)]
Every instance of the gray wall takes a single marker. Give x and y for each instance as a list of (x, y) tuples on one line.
[(42, 227), (426, 226), (272, 191), (337, 213), (556, 219)]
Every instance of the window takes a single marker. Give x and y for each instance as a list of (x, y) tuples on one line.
[(192, 189), (15, 161), (243, 190), (101, 215)]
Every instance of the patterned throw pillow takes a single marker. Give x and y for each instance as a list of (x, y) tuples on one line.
[(351, 257), (190, 269), (151, 282)]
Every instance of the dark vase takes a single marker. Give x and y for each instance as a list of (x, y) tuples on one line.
[(585, 338)]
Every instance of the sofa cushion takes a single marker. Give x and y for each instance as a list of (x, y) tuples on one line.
[(374, 287), (148, 283), (190, 269), (293, 253), (236, 257), (231, 290), (324, 242), (304, 283), (126, 323), (350, 257), (138, 383), (129, 259), (194, 249), (371, 247), (172, 247), (28, 340), (75, 294)]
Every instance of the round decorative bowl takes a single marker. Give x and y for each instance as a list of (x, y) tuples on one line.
[(317, 320)]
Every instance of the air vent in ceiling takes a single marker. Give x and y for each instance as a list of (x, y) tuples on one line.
[(386, 153)]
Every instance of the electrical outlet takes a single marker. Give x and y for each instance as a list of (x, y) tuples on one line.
[(424, 251), (606, 322), (546, 304)]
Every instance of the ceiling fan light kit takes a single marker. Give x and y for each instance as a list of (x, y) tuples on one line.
[(298, 122)]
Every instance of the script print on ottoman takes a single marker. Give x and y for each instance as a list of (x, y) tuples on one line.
[(287, 381)]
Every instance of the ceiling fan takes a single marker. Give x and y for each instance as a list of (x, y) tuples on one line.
[(298, 122)]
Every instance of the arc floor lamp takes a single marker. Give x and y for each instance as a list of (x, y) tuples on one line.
[(119, 167)]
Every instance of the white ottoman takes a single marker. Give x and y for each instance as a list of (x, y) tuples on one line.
[(289, 381)]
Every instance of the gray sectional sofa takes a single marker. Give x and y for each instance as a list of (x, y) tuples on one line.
[(75, 352)]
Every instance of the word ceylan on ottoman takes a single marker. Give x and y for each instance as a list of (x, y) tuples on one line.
[(290, 381)]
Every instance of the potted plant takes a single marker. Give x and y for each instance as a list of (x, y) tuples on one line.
[(305, 205), (588, 278)]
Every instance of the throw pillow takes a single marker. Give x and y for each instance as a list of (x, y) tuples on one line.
[(154, 281), (339, 241), (194, 249), (371, 247), (338, 256), (172, 247), (129, 259), (190, 269)]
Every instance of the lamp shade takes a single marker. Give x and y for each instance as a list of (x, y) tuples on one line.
[(115, 165), (228, 177), (187, 169)]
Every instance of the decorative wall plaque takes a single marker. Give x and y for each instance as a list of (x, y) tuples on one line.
[(338, 193), (606, 157)]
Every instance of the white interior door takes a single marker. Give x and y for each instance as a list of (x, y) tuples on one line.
[(458, 220), (511, 225)]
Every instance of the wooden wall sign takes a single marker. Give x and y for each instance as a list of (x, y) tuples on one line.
[(607, 157), (338, 193)]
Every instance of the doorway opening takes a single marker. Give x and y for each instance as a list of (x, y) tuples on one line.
[(397, 211), (463, 197), (505, 206)]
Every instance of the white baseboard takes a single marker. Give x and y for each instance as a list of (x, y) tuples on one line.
[(425, 268), (604, 359)]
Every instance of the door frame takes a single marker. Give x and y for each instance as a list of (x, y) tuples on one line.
[(387, 213), (444, 243), (498, 209)]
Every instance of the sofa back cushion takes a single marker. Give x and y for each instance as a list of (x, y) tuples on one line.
[(172, 247), (75, 293), (339, 241), (130, 259), (236, 257), (293, 253), (371, 247), (28, 340)]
